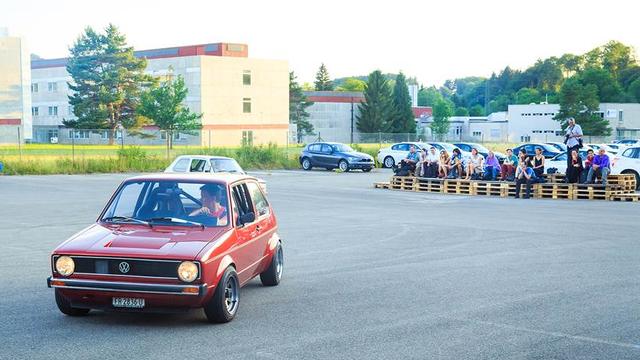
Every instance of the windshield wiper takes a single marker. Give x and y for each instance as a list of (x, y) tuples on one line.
[(177, 220), (126, 219)]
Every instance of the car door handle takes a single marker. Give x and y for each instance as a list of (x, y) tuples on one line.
[(258, 228)]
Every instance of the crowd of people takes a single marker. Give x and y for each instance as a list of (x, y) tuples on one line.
[(522, 169)]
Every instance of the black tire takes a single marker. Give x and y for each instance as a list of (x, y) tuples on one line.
[(223, 305), (366, 169), (306, 164), (343, 165), (65, 306), (273, 274), (329, 169), (636, 175), (388, 160)]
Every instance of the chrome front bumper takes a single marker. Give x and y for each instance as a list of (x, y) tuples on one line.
[(118, 286)]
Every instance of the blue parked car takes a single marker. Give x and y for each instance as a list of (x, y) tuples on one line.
[(330, 155)]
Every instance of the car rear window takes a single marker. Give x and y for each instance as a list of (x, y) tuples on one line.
[(181, 165)]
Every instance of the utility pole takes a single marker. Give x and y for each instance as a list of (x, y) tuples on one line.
[(352, 120)]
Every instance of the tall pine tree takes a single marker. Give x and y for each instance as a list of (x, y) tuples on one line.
[(581, 102), (377, 108), (402, 120), (298, 103), (323, 81), (107, 80)]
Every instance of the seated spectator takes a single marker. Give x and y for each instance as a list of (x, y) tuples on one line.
[(443, 164), (474, 166), (431, 163), (574, 171), (600, 167), (524, 175), (422, 156), (408, 165), (538, 163), (455, 165), (522, 157), (491, 167), (509, 166), (587, 165)]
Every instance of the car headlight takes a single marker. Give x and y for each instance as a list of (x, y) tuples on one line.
[(65, 265), (188, 271)]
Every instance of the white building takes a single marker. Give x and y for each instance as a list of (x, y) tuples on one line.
[(15, 95), (534, 122)]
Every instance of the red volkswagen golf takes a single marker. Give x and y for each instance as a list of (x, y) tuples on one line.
[(171, 242)]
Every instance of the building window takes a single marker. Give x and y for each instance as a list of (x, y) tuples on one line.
[(104, 135), (52, 134), (53, 111), (477, 133), (246, 105), (79, 134), (163, 135), (246, 77), (52, 86), (247, 138), (34, 88), (525, 138), (35, 111)]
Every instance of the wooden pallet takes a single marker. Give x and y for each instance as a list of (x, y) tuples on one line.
[(488, 188), (429, 185), (590, 192), (402, 183), (625, 197), (555, 178), (382, 185), (458, 186), (553, 191), (625, 181)]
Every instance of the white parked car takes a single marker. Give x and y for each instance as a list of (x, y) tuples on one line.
[(559, 162), (392, 155), (607, 148), (627, 162), (628, 142), (208, 164)]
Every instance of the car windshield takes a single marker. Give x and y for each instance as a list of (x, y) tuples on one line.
[(480, 148), (226, 165), (152, 202), (341, 148)]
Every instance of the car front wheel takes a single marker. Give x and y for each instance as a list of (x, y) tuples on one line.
[(223, 306), (273, 274), (389, 162), (65, 306), (306, 164), (343, 165)]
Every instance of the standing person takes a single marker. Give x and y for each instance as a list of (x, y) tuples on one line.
[(524, 175), (431, 163), (601, 166), (491, 167), (572, 138), (443, 164), (575, 170), (474, 167), (538, 163), (509, 165), (455, 164)]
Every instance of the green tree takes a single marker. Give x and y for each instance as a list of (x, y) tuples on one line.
[(461, 111), (298, 104), (442, 111), (429, 96), (164, 106), (377, 108), (616, 57), (476, 110), (634, 90), (609, 89), (323, 81), (107, 80), (352, 84), (527, 96), (581, 102), (402, 119)]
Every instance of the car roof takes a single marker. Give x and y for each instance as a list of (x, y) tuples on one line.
[(222, 177), (205, 157)]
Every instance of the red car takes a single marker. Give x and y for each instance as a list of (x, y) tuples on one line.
[(171, 242)]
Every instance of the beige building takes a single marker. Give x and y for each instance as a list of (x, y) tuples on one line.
[(15, 95), (243, 100)]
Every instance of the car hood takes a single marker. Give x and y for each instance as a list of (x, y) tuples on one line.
[(359, 154), (183, 243)]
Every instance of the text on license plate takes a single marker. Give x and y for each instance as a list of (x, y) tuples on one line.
[(128, 303)]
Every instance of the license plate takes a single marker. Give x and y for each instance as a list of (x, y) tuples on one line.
[(128, 303)]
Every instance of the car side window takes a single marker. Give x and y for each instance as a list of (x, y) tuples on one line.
[(260, 202), (628, 153), (326, 149), (181, 165), (314, 147), (241, 200), (404, 147), (395, 147), (197, 165)]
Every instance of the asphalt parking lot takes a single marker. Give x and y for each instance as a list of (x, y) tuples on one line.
[(369, 274)]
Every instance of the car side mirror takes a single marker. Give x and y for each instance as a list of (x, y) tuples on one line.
[(246, 218)]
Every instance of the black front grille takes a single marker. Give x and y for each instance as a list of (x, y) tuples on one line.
[(136, 267)]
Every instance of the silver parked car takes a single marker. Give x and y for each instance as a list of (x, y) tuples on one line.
[(208, 164)]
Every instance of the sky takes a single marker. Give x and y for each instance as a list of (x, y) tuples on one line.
[(431, 40)]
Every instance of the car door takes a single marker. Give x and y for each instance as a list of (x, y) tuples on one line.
[(325, 158), (315, 154), (401, 152), (246, 251), (266, 224)]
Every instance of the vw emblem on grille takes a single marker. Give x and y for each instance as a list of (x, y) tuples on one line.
[(124, 267)]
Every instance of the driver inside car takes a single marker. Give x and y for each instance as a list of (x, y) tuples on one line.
[(213, 204)]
